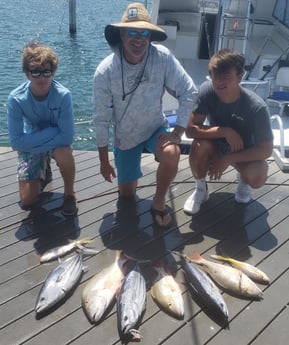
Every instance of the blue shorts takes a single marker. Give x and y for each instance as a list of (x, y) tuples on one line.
[(32, 166), (128, 162)]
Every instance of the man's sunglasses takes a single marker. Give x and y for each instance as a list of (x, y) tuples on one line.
[(141, 33)]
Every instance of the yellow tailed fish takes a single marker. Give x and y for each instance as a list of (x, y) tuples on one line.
[(230, 278), (166, 292), (60, 251), (251, 271)]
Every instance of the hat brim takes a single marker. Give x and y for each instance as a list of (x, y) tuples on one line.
[(112, 31)]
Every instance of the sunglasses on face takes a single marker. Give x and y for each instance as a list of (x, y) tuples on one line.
[(47, 73), (141, 33)]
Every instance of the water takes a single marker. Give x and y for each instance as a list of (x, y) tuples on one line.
[(79, 54)]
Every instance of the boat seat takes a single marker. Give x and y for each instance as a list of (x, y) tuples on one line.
[(280, 94)]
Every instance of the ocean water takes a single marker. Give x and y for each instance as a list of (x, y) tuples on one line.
[(48, 22)]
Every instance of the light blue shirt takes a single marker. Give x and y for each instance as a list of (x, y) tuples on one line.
[(40, 126), (136, 117)]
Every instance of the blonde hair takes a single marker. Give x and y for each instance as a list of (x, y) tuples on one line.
[(36, 55)]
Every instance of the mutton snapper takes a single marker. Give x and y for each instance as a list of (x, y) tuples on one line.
[(131, 303), (60, 251), (59, 282), (167, 293), (228, 277), (100, 291), (251, 271), (205, 288)]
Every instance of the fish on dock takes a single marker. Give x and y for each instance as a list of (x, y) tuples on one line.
[(251, 271), (131, 303), (100, 291), (59, 282), (167, 293), (229, 278), (205, 288), (60, 251)]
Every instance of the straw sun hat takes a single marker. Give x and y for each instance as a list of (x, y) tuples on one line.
[(135, 16)]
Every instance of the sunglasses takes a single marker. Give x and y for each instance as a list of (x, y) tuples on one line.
[(135, 33), (47, 73)]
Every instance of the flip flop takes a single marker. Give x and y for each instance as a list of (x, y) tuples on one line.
[(162, 214)]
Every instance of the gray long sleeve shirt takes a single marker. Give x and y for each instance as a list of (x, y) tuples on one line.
[(129, 97)]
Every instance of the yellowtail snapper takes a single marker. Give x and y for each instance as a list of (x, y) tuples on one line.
[(60, 251), (251, 271), (99, 292), (228, 277), (167, 293)]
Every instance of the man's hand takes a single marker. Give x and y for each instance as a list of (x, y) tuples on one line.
[(234, 140), (107, 171), (168, 138), (218, 166)]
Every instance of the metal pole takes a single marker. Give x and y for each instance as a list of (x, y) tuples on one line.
[(72, 16)]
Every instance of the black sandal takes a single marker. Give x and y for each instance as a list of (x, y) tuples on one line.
[(162, 214)]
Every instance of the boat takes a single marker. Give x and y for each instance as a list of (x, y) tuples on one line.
[(259, 29)]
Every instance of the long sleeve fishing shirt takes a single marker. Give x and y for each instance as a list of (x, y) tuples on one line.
[(129, 97), (40, 126)]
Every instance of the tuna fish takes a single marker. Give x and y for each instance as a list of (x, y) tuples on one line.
[(131, 303), (60, 251), (228, 277), (251, 271), (167, 293), (206, 289), (100, 291), (60, 281)]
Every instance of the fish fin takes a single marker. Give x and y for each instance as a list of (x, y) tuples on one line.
[(86, 250), (196, 256)]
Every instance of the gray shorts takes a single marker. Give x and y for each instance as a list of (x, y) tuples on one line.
[(33, 166)]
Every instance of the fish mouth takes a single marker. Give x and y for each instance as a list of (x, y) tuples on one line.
[(39, 309)]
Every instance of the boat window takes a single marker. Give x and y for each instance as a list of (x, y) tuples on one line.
[(281, 12)]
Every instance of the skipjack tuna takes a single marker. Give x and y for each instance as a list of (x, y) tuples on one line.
[(205, 288), (60, 251), (167, 293), (251, 271), (228, 277), (99, 292), (60, 281), (131, 303)]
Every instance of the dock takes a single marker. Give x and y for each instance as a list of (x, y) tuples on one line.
[(256, 233)]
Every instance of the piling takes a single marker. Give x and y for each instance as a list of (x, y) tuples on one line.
[(72, 16)]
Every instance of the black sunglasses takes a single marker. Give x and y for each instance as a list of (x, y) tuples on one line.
[(47, 73)]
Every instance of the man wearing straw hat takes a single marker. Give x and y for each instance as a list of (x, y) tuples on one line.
[(128, 89)]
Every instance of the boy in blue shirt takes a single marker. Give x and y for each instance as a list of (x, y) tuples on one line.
[(41, 127)]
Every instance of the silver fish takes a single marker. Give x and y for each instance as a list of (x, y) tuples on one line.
[(60, 251), (205, 288), (100, 291), (131, 303), (228, 277), (167, 293), (252, 272), (59, 282)]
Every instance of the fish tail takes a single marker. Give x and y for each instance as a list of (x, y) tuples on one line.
[(84, 240), (195, 257)]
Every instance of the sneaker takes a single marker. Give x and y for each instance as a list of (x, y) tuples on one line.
[(243, 193), (69, 207), (194, 202)]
